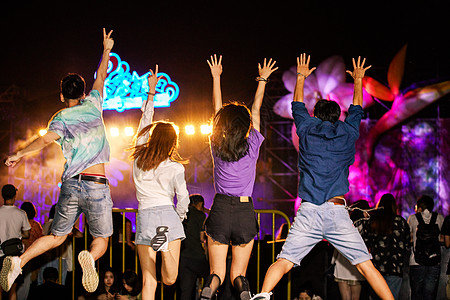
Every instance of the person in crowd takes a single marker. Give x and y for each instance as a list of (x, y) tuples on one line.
[(424, 270), (388, 238), (13, 225), (158, 175), (30, 271), (326, 151), (107, 288), (193, 262), (80, 131), (131, 287), (445, 231), (50, 289), (347, 276), (306, 293), (235, 141)]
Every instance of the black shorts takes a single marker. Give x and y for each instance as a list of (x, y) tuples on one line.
[(232, 220)]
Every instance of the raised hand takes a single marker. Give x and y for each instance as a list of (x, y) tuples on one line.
[(12, 160), (358, 68), (215, 65), (108, 42), (267, 68), (303, 66), (153, 80)]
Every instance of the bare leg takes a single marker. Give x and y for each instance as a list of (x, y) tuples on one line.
[(217, 258), (41, 245), (98, 247), (12, 295), (345, 291), (147, 258), (356, 291), (170, 262), (275, 272), (375, 279), (241, 256)]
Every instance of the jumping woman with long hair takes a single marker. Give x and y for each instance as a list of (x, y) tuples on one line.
[(158, 174), (235, 143)]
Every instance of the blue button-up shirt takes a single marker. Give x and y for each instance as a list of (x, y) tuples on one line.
[(326, 151)]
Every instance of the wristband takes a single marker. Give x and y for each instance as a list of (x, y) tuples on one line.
[(298, 73), (153, 94), (261, 79)]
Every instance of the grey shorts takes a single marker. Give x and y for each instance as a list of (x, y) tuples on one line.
[(327, 221), (88, 197), (149, 219)]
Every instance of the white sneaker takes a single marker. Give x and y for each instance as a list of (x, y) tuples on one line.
[(11, 269), (262, 296), (90, 276)]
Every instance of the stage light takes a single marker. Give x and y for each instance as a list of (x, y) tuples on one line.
[(114, 131), (129, 131), (205, 129), (42, 132), (189, 129)]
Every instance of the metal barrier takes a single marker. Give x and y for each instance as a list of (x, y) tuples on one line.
[(258, 212)]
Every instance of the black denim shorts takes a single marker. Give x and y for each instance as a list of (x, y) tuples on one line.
[(232, 220)]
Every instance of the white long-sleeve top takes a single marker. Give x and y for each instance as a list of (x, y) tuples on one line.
[(157, 187)]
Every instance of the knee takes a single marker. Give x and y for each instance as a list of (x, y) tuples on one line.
[(170, 279), (59, 239)]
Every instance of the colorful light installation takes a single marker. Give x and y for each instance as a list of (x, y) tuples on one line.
[(125, 89)]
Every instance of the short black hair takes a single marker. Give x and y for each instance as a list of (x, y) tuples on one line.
[(196, 198), (425, 202), (327, 110), (72, 86), (9, 191), (50, 273), (29, 208)]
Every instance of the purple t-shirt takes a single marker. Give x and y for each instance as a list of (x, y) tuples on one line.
[(237, 178)]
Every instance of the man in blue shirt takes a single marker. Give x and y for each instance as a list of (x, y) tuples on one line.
[(326, 151)]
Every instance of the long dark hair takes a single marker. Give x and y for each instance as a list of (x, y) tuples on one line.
[(231, 126), (131, 279), (101, 286), (162, 144), (383, 218)]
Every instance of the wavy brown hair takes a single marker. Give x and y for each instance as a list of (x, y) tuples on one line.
[(231, 126), (162, 144)]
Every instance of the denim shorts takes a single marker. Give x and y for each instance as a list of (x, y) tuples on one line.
[(327, 221), (88, 197), (232, 220), (149, 219)]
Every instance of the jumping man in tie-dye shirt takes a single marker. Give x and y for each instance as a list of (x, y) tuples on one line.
[(80, 131)]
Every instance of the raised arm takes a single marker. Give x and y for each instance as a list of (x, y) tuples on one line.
[(37, 145), (216, 70), (108, 43), (303, 71), (264, 73), (358, 75), (147, 106)]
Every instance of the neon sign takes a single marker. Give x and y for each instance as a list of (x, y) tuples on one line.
[(127, 90)]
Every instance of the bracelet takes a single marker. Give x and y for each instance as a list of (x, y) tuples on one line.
[(298, 73), (153, 94), (261, 79)]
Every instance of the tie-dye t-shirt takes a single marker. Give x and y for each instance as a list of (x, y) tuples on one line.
[(82, 135)]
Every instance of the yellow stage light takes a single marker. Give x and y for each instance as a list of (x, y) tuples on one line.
[(129, 131), (189, 129), (42, 132), (205, 129), (114, 131)]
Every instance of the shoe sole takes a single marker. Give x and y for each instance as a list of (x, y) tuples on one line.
[(90, 277), (7, 263)]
